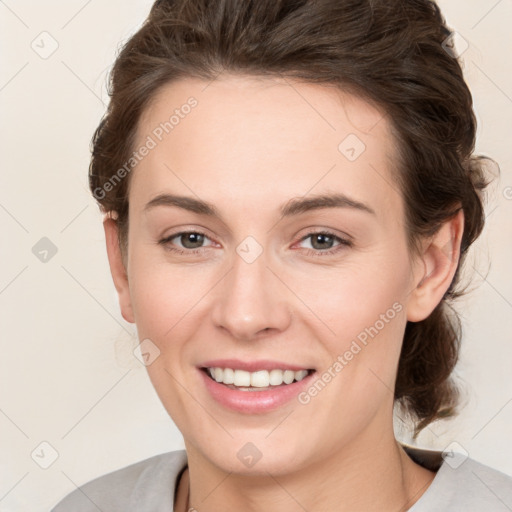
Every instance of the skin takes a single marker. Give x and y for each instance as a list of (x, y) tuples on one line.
[(250, 146)]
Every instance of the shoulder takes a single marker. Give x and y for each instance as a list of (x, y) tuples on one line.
[(462, 483), (150, 481), (474, 485)]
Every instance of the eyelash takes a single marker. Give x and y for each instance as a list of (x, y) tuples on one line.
[(343, 242)]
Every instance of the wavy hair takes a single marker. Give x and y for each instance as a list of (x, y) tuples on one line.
[(388, 52)]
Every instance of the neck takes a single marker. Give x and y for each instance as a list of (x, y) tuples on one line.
[(378, 476)]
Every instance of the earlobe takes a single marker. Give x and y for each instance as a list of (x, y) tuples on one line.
[(117, 268), (437, 268)]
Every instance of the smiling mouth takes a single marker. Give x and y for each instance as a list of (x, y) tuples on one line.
[(261, 380)]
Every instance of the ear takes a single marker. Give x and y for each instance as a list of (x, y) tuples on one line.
[(117, 268), (436, 268)]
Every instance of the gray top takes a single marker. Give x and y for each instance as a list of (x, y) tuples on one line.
[(460, 484)]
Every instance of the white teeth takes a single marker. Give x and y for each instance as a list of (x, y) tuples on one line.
[(218, 374), (288, 376), (242, 378), (300, 374), (258, 379), (229, 376), (276, 377)]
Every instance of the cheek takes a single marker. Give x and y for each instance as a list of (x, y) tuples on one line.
[(355, 297), (164, 297), (166, 308), (362, 309)]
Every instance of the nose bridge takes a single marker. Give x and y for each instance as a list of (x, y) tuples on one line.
[(251, 299)]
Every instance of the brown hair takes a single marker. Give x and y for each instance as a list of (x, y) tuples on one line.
[(389, 52)]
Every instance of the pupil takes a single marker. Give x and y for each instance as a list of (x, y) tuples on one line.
[(196, 240), (322, 239)]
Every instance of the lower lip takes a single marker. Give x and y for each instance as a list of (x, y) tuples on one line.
[(253, 402)]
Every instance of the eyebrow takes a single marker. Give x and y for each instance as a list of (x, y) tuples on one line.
[(295, 206)]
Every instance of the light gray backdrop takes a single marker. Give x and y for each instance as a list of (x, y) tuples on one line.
[(74, 401)]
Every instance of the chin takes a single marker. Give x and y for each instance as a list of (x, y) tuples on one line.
[(255, 458)]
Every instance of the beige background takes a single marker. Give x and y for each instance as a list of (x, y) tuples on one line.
[(68, 375)]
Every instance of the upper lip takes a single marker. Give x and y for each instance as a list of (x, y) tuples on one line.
[(252, 366)]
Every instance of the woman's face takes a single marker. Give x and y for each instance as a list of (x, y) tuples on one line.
[(270, 281)]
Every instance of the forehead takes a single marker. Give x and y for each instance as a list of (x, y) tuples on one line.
[(254, 139)]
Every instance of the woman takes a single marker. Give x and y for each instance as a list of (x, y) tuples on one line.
[(290, 191)]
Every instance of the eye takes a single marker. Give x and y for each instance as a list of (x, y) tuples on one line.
[(322, 243), (190, 242), (325, 243)]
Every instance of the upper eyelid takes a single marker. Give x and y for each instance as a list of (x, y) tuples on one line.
[(226, 233), (186, 232), (325, 232), (341, 238)]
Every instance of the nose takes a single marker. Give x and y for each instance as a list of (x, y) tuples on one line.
[(251, 300)]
